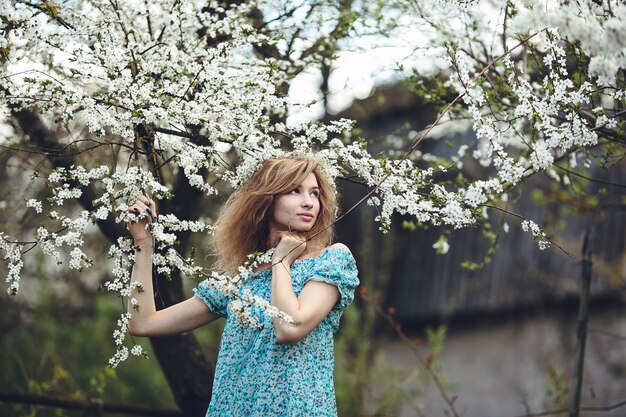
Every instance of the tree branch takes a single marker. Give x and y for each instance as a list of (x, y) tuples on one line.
[(43, 138)]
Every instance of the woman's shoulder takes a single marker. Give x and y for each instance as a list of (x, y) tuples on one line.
[(339, 245), (336, 251), (318, 255), (332, 249), (336, 265)]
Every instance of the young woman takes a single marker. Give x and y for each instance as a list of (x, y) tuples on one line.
[(279, 369)]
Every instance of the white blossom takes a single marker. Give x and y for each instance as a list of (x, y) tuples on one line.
[(36, 204), (539, 235)]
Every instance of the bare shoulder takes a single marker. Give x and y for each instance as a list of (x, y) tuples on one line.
[(340, 246), (333, 246)]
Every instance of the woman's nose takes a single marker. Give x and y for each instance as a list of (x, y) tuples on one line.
[(307, 201)]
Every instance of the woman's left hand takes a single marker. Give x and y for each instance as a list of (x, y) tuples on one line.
[(142, 204), (289, 248)]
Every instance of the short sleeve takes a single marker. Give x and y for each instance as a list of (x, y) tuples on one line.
[(217, 302), (337, 266)]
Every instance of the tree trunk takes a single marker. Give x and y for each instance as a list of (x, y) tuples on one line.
[(188, 372)]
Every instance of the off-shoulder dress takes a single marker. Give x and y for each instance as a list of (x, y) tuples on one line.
[(257, 376)]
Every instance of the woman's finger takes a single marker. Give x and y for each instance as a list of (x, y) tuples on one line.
[(140, 204), (145, 202), (144, 209), (139, 208)]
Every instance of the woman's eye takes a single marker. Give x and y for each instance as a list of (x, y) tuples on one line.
[(315, 194)]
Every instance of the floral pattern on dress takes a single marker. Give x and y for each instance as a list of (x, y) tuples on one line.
[(257, 376)]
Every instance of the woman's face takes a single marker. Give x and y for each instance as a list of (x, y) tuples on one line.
[(297, 210)]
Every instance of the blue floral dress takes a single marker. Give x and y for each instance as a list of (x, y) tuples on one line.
[(257, 376)]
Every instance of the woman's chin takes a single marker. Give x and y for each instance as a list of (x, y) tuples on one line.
[(304, 227), (299, 227)]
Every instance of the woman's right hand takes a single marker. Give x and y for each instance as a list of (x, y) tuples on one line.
[(290, 246), (138, 230)]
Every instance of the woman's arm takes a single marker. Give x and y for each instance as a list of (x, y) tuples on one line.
[(146, 321), (313, 304)]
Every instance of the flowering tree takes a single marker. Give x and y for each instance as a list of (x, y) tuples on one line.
[(541, 86), (173, 94), (184, 100)]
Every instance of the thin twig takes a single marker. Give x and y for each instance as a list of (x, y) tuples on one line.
[(584, 408), (606, 333), (511, 213), (20, 243), (424, 362), (569, 171)]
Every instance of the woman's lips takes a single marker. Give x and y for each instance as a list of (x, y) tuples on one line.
[(305, 217)]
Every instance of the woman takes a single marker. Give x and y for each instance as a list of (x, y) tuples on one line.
[(279, 369)]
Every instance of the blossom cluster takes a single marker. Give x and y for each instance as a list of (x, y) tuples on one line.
[(13, 257), (119, 335), (540, 83), (537, 233)]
